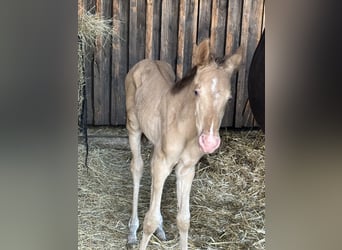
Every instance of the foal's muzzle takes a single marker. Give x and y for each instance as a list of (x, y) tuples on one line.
[(209, 143)]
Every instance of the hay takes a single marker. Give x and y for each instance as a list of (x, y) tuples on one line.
[(227, 198), (91, 27)]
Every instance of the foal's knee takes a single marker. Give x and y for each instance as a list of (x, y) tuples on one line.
[(183, 222), (151, 222), (137, 167)]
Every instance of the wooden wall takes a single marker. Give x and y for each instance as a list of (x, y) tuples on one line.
[(167, 30)]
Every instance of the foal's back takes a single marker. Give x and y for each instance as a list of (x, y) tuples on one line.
[(146, 84)]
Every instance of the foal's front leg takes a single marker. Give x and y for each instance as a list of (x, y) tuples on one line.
[(160, 170), (185, 175)]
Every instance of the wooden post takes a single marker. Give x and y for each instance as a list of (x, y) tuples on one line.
[(119, 62), (168, 45), (234, 13), (137, 26), (102, 70)]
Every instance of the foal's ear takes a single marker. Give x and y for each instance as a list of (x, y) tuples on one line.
[(202, 53), (233, 62)]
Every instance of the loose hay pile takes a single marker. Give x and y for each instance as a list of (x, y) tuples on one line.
[(227, 198)]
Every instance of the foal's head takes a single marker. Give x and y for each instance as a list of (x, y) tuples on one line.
[(212, 90)]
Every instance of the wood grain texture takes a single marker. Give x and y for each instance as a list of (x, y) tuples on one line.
[(149, 29), (102, 59), (156, 29), (181, 34), (119, 62), (204, 19), (168, 44), (232, 42), (194, 29), (88, 5), (137, 25)]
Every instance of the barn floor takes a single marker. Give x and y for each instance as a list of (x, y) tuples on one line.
[(227, 198)]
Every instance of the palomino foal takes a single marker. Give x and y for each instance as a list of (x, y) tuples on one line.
[(182, 120)]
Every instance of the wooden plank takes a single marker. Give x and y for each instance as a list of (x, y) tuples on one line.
[(156, 30), (137, 19), (194, 29), (119, 62), (181, 34), (187, 35), (204, 19), (214, 21), (88, 5), (149, 29), (102, 70), (218, 27), (189, 41), (250, 35), (232, 41), (168, 46)]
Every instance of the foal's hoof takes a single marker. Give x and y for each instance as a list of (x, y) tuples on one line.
[(160, 234), (132, 243)]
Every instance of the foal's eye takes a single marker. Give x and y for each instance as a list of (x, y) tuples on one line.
[(196, 92)]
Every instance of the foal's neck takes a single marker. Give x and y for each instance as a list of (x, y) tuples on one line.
[(183, 102)]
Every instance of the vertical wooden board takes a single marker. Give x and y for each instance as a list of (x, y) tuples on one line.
[(119, 62), (189, 41), (214, 22), (102, 74), (250, 35), (181, 34), (88, 5), (218, 27), (204, 18), (137, 25), (88, 77), (152, 47), (168, 43), (194, 30), (232, 37), (187, 35), (149, 29), (156, 29)]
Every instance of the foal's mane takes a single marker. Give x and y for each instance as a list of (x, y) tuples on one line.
[(185, 81), (189, 77)]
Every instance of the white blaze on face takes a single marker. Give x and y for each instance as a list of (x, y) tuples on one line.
[(211, 129), (213, 85), (213, 90)]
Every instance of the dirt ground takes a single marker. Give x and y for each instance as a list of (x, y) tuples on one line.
[(227, 199)]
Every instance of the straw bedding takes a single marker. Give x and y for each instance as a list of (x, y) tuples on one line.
[(227, 198)]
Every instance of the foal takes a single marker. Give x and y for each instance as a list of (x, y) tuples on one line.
[(182, 120)]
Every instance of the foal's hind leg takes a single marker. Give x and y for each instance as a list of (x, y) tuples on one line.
[(136, 170)]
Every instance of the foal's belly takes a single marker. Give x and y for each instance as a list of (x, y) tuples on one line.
[(149, 124)]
